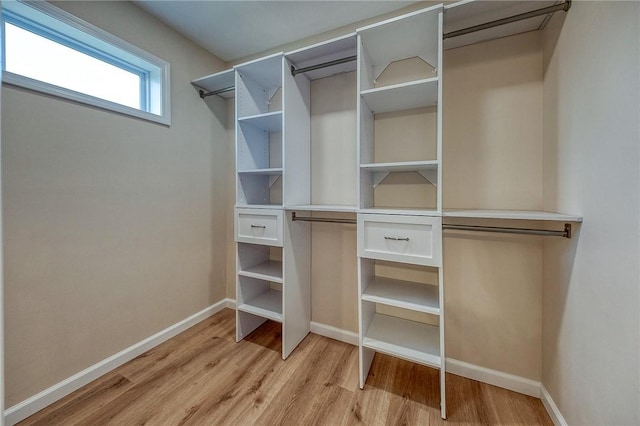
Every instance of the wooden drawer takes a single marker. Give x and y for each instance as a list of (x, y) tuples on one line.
[(407, 239), (259, 226)]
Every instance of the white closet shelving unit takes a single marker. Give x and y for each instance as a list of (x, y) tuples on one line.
[(272, 143), (391, 235), (400, 265)]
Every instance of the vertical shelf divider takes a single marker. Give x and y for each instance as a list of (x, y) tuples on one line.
[(297, 190)]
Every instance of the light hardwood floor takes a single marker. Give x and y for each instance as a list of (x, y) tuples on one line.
[(202, 377)]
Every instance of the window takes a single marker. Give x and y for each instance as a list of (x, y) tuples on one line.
[(48, 50)]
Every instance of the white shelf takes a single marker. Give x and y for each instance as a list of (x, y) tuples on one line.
[(324, 208), (267, 305), (403, 294), (400, 211), (403, 96), (270, 270), (218, 81), (512, 214), (428, 170), (269, 121), (406, 166), (259, 206), (264, 172), (410, 340)]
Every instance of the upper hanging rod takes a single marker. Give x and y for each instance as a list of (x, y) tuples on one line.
[(295, 71), (204, 94), (545, 10), (544, 232), (320, 219)]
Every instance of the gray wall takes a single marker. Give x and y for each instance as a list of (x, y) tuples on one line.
[(114, 226), (591, 325)]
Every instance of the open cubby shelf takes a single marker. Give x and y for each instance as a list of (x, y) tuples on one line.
[(267, 305), (404, 166), (269, 121), (403, 96), (403, 294), (410, 340), (270, 270), (275, 171)]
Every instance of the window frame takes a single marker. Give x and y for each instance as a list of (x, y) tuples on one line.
[(95, 42)]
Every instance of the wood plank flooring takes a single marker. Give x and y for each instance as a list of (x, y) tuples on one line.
[(202, 377)]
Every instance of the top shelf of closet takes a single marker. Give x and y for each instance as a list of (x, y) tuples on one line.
[(218, 81), (512, 215)]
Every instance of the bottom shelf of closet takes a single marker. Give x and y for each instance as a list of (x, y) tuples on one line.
[(267, 305), (410, 340)]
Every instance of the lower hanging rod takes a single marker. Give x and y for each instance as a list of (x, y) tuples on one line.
[(295, 71), (543, 232), (204, 94), (532, 14), (320, 219)]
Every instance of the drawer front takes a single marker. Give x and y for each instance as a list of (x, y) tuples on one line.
[(259, 226), (407, 239)]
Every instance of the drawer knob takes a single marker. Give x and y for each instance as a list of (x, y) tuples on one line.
[(397, 238), (258, 226)]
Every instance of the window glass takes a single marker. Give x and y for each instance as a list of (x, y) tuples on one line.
[(34, 56)]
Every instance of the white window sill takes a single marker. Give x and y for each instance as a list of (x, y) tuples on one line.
[(60, 92)]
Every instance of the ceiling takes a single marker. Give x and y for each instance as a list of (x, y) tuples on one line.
[(236, 29)]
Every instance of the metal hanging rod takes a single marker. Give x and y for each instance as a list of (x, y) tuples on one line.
[(566, 233), (320, 219), (295, 71), (545, 10), (544, 232), (204, 94)]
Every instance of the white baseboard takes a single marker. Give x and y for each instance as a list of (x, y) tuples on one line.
[(334, 333), (320, 329), (460, 368), (494, 377), (50, 395), (552, 408), (470, 371)]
